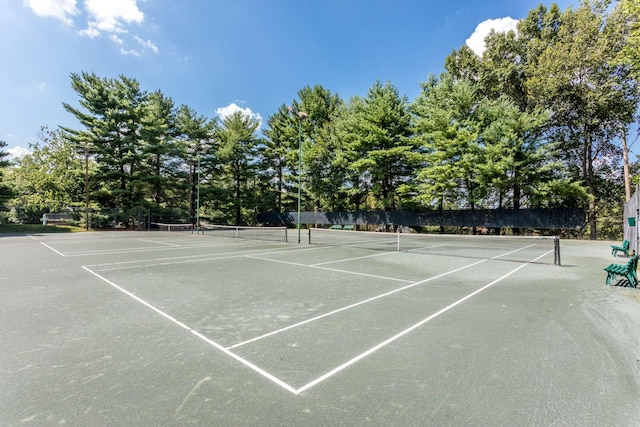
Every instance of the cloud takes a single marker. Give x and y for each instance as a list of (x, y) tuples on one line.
[(233, 108), (147, 44), (61, 10), (110, 16), (501, 25), (42, 86), (17, 153)]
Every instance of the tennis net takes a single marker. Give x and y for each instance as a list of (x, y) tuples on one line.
[(160, 226), (509, 248), (277, 234)]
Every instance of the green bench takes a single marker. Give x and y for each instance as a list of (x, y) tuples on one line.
[(627, 271), (624, 248), (342, 227)]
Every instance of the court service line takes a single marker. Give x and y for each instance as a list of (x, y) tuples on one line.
[(135, 250), (411, 328), (328, 269), (386, 294), (54, 250), (160, 243), (198, 334), (212, 257), (177, 259), (411, 285), (350, 259)]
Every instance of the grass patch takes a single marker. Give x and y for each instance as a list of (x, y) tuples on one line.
[(37, 228)]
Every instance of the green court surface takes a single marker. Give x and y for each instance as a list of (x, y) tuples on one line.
[(176, 328)]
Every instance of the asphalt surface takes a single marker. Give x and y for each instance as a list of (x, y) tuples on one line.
[(155, 329)]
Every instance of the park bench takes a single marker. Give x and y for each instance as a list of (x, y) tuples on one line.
[(56, 218), (336, 227), (349, 227), (624, 248), (627, 271)]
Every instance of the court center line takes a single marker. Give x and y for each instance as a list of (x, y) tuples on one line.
[(351, 259), (160, 243), (411, 328), (367, 300), (386, 294), (329, 269), (198, 334)]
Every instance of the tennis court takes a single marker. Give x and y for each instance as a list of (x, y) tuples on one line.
[(186, 328)]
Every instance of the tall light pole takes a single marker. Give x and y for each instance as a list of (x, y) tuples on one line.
[(198, 196), (197, 148), (86, 146), (301, 115)]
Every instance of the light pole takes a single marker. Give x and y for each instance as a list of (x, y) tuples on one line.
[(198, 147), (86, 146), (301, 115), (198, 196)]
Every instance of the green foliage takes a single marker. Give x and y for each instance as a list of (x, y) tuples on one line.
[(5, 191), (377, 135), (236, 152), (628, 13), (49, 179), (532, 122)]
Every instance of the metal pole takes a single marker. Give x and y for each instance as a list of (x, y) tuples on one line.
[(301, 115), (198, 198), (299, 171), (86, 187)]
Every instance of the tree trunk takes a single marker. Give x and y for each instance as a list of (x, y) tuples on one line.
[(625, 156)]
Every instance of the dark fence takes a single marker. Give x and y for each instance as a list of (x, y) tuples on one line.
[(632, 220), (560, 218)]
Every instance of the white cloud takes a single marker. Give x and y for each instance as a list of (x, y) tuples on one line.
[(147, 44), (62, 10), (233, 108), (42, 86), (17, 152), (110, 16), (501, 25)]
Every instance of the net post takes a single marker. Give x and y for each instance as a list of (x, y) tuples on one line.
[(398, 233), (556, 251), (309, 233)]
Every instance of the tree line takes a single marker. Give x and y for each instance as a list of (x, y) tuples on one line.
[(535, 121)]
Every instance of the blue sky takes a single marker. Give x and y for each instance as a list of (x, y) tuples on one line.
[(217, 56)]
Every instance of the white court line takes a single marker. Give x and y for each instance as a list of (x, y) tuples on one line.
[(411, 285), (54, 250), (329, 269), (32, 237), (212, 257), (135, 250), (406, 331), (160, 243), (354, 305), (351, 259), (198, 334)]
